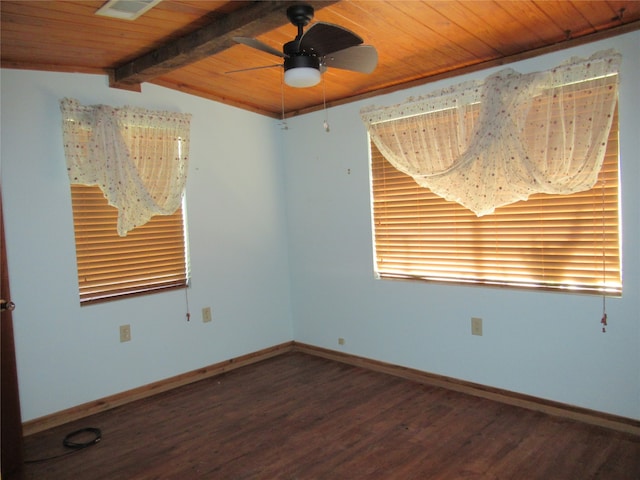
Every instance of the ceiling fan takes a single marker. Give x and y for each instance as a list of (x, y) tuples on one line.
[(321, 46)]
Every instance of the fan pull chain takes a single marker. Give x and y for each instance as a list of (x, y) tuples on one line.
[(324, 105), (283, 124)]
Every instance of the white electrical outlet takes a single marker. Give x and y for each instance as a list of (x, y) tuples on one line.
[(206, 314), (125, 333), (341, 341), (476, 326)]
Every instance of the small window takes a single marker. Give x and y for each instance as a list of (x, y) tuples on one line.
[(151, 258), (557, 242)]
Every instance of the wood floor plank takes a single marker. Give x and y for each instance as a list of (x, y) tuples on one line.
[(298, 416)]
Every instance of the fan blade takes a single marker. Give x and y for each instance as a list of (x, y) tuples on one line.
[(255, 68), (361, 58), (257, 44), (324, 38)]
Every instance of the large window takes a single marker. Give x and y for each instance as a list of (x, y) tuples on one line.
[(152, 257), (561, 242)]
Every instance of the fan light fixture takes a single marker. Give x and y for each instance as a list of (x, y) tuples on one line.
[(309, 54), (300, 70), (302, 77)]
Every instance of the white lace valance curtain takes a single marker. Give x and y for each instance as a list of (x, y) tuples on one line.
[(137, 157), (490, 143)]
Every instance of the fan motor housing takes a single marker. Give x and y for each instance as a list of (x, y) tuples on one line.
[(301, 60)]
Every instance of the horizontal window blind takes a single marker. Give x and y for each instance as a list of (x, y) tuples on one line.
[(150, 258), (563, 242)]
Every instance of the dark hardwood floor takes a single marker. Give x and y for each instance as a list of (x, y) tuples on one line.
[(297, 416)]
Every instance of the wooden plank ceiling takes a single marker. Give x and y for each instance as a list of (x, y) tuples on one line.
[(186, 45)]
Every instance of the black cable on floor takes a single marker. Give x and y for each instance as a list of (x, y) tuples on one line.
[(68, 442)]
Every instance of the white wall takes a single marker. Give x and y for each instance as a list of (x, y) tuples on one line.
[(69, 355), (277, 242), (544, 344)]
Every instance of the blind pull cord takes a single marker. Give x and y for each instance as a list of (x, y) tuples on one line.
[(186, 299), (603, 321)]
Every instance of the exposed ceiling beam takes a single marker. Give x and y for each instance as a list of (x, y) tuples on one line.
[(256, 19)]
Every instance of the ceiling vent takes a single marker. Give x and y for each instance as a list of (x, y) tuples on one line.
[(126, 9)]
